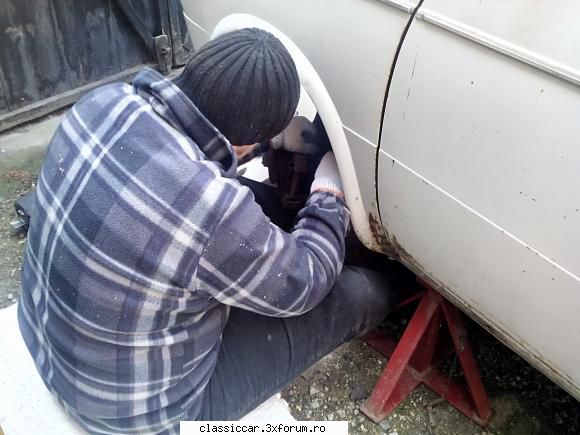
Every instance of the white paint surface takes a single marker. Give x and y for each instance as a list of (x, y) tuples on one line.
[(478, 182), (549, 29)]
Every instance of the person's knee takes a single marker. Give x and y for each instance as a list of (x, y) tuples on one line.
[(369, 293)]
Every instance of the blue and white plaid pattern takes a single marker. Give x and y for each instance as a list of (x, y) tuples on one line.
[(141, 239)]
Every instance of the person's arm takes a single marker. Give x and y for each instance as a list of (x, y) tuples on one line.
[(252, 264), (245, 153)]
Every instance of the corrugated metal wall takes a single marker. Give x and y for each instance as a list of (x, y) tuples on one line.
[(48, 47)]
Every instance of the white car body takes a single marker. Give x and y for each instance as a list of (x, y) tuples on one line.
[(463, 126)]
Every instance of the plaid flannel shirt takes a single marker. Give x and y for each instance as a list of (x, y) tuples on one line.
[(141, 239)]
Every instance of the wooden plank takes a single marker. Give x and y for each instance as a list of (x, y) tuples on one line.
[(41, 108), (176, 35)]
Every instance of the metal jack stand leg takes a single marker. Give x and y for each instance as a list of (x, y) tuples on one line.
[(412, 362)]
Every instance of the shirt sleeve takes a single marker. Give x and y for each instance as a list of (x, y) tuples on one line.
[(257, 150), (252, 264)]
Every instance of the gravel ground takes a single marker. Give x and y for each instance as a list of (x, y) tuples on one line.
[(13, 184), (524, 401)]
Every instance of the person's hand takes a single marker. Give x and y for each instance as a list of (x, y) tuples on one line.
[(326, 177), (299, 137), (242, 150)]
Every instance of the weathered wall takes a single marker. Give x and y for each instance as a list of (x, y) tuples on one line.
[(51, 46)]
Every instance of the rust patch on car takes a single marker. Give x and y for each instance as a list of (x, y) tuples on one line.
[(389, 245), (378, 232)]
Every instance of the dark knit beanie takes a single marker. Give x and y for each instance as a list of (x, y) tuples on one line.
[(245, 83)]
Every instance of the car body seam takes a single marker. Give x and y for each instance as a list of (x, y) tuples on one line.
[(384, 106), (500, 45)]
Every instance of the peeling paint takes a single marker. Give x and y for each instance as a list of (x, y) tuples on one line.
[(378, 232)]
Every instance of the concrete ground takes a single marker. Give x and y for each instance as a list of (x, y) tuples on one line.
[(524, 401)]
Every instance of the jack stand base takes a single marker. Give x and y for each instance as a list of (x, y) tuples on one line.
[(412, 362)]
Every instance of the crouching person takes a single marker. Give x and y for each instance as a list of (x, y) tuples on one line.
[(155, 288)]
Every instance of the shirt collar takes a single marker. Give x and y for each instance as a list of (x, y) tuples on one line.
[(180, 110)]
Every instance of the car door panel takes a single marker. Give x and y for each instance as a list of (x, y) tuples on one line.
[(478, 178)]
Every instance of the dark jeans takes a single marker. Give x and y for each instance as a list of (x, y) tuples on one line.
[(260, 355)]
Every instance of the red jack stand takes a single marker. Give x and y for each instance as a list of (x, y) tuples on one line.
[(411, 362)]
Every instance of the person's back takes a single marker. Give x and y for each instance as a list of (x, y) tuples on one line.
[(123, 209), (145, 252)]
